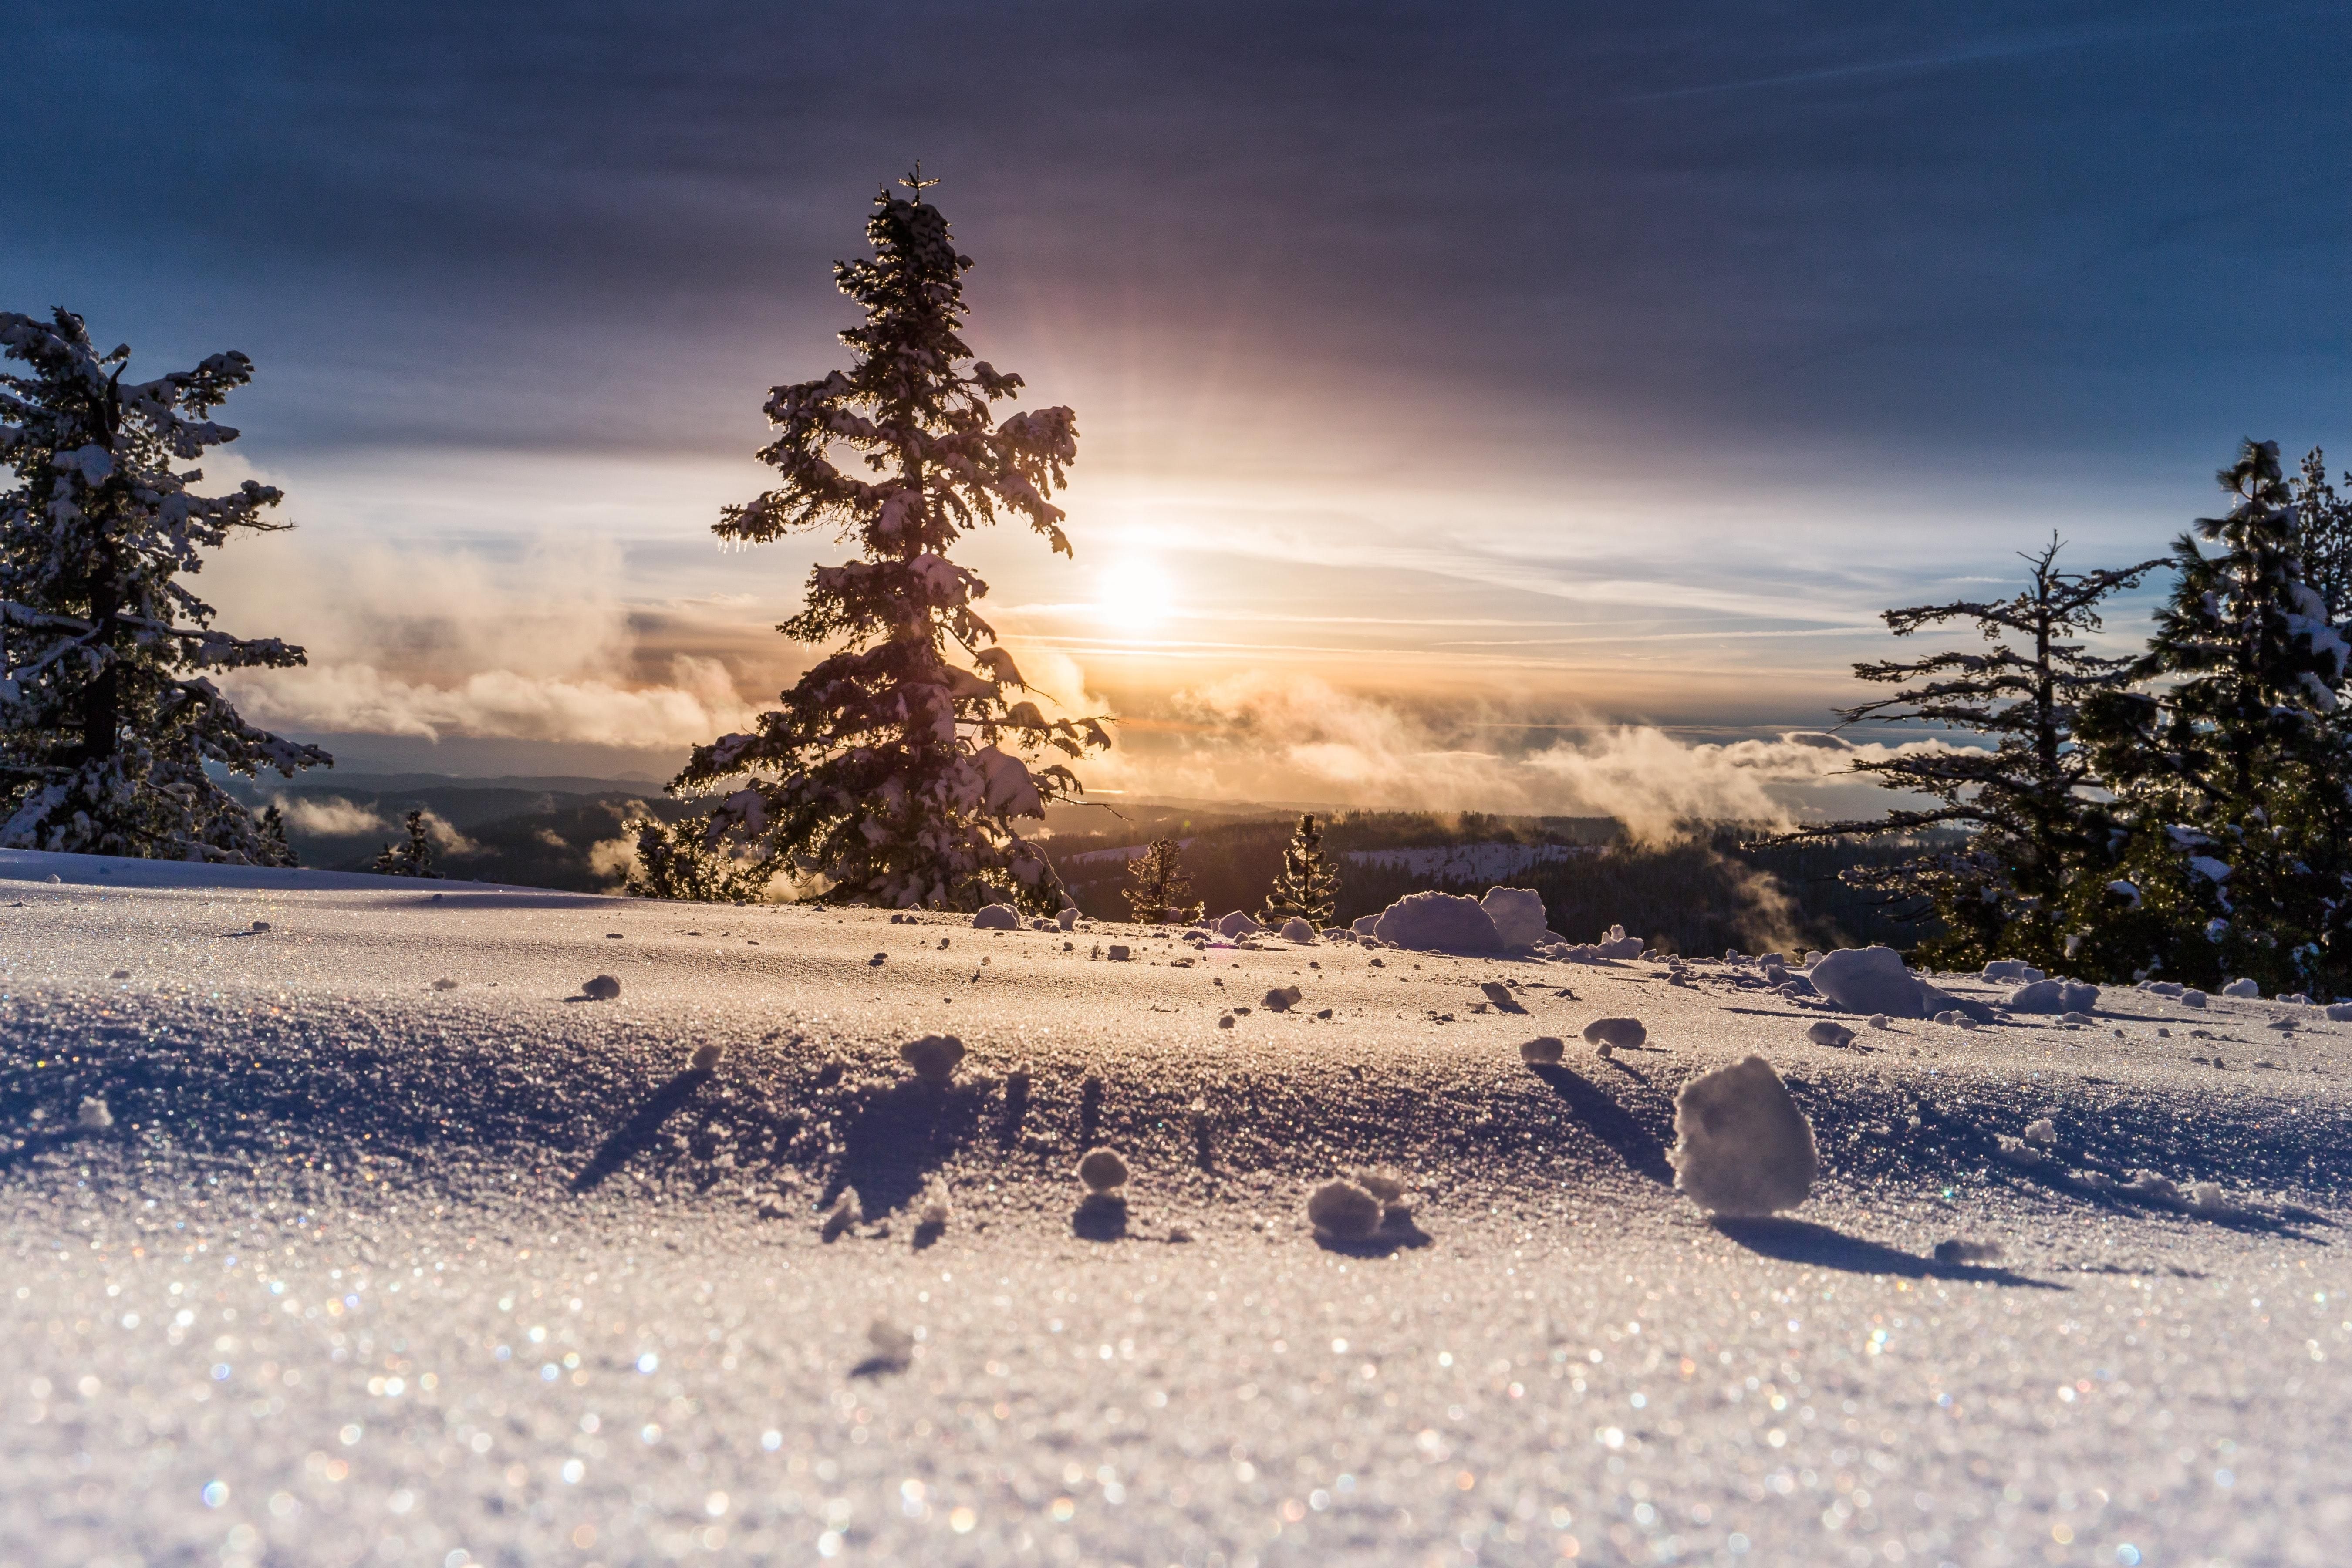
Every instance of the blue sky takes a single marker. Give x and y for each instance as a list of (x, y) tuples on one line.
[(1482, 377)]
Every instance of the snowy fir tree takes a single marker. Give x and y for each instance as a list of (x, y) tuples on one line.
[(895, 773), (2325, 519), (1158, 889), (2038, 831), (108, 716), (1307, 886), (412, 858), (2234, 761), (678, 860)]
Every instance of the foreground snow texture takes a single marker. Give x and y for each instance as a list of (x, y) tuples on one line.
[(357, 1268)]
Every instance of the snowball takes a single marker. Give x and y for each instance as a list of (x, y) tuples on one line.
[(933, 1213), (1281, 998), (997, 917), (1120, 953), (1869, 980), (1879, 1021), (55, 877), (2041, 1130), (1102, 1170), (1617, 945), (1518, 914), (94, 1116), (1068, 918), (2242, 988), (1616, 1033), (1741, 1146), (2192, 998), (261, 925), (2086, 1019), (2340, 1012), (1543, 1051), (1445, 922), (2015, 971), (933, 1058), (1296, 930), (2053, 997), (1498, 993), (1225, 1022), (603, 988), (2164, 988), (1234, 924), (705, 1057), (2149, 1185), (1825, 1033), (1344, 1211), (443, 984)]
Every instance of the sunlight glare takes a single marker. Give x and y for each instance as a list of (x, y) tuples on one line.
[(1135, 595)]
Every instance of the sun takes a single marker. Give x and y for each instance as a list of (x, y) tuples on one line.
[(1135, 595)]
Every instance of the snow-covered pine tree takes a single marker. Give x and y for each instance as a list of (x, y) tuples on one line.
[(1157, 888), (2038, 831), (1307, 886), (2235, 762), (893, 775), (2325, 518), (109, 720), (411, 859)]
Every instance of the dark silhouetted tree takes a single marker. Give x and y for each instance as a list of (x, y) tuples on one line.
[(1307, 886), (2039, 834), (411, 859), (678, 860), (108, 715), (2326, 521), (1157, 887), (892, 774)]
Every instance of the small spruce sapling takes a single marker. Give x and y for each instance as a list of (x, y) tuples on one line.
[(108, 718), (1158, 889), (1307, 886), (892, 774)]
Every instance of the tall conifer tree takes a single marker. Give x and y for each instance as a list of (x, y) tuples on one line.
[(108, 714), (2235, 761), (1157, 888), (892, 774), (2039, 835)]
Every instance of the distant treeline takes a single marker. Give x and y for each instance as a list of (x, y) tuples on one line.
[(1703, 894)]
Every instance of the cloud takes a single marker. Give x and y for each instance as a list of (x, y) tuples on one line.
[(1259, 737), (698, 703), (328, 816)]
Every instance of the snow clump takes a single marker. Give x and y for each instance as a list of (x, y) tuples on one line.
[(602, 988), (94, 1116), (843, 1214), (1443, 922), (1342, 1211), (894, 1347), (1235, 924), (933, 1058), (1825, 1033), (2245, 988), (1068, 918), (1296, 930), (1741, 1146), (2340, 1012), (2053, 997), (997, 917), (1283, 998), (1616, 1033), (1518, 914), (1617, 945), (2192, 998), (1102, 1170), (706, 1056), (2043, 1131), (1880, 1021), (1543, 1051), (1869, 980), (2015, 971), (1960, 1251)]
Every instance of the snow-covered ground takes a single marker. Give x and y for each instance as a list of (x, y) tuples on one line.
[(1469, 863), (314, 1258)]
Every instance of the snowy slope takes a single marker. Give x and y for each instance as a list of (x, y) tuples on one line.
[(368, 1268)]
